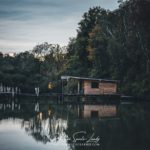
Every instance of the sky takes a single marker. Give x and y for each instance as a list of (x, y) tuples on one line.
[(26, 23)]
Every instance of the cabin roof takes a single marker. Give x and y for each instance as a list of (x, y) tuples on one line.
[(85, 78)]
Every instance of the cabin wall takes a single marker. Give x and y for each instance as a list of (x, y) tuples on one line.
[(88, 90), (108, 87), (103, 88)]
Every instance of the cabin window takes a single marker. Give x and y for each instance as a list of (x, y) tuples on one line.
[(94, 114), (95, 85)]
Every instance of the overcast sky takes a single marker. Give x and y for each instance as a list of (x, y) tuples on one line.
[(25, 23)]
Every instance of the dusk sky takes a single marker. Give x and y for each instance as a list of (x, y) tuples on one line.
[(26, 23)]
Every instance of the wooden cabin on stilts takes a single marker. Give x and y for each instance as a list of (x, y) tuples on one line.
[(86, 87)]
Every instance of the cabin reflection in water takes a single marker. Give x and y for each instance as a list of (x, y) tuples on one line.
[(97, 111)]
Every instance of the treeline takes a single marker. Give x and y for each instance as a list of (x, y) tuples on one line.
[(114, 44), (34, 68), (109, 44)]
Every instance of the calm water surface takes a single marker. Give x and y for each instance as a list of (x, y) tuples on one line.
[(39, 125)]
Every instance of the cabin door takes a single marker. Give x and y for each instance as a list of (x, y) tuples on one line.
[(81, 87)]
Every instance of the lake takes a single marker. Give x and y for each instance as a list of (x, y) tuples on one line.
[(38, 124)]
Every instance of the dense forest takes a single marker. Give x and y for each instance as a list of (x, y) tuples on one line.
[(109, 44)]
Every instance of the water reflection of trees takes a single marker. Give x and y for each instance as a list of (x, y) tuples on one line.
[(44, 124), (47, 129), (129, 131), (50, 123)]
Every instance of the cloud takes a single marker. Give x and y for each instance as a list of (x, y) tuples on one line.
[(24, 23)]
